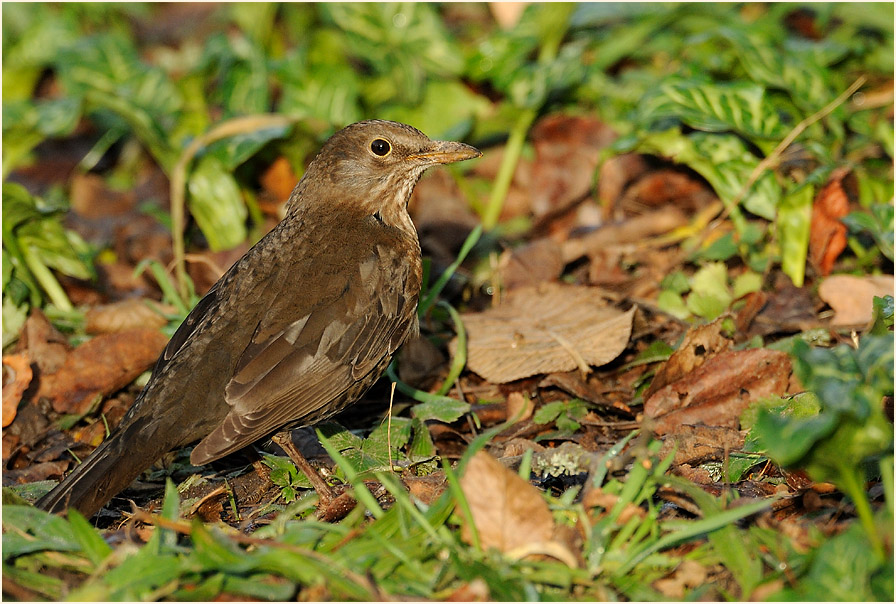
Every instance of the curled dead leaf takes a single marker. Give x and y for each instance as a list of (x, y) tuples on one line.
[(719, 390), (127, 314), (827, 235), (101, 366), (699, 344), (16, 367), (544, 329)]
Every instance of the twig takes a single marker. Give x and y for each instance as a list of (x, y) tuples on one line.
[(773, 157)]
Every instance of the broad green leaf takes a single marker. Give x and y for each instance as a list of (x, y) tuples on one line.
[(794, 220), (376, 443), (324, 92), (27, 529), (217, 204), (447, 111), (716, 107), (710, 295), (92, 544), (440, 408), (404, 42), (233, 151), (793, 67), (746, 283)]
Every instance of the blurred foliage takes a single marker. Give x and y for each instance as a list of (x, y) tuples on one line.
[(713, 87), (741, 94), (841, 434)]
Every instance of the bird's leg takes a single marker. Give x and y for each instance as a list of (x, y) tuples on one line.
[(324, 493)]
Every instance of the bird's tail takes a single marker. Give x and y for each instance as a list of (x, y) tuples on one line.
[(105, 473)]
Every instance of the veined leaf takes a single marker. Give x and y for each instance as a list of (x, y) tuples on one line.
[(716, 107), (216, 204)]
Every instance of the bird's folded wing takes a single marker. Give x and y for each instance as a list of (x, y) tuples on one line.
[(293, 371)]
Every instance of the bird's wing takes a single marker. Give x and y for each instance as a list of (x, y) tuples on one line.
[(292, 371)]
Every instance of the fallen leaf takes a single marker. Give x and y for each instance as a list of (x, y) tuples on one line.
[(719, 390), (699, 343), (695, 445), (827, 235), (507, 14), (667, 186), (544, 329), (508, 512), (614, 176), (18, 368), (46, 346), (567, 152), (531, 264), (279, 179), (851, 297), (101, 366), (91, 197), (127, 314), (477, 589), (688, 575)]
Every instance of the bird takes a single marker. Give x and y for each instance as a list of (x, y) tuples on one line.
[(297, 329)]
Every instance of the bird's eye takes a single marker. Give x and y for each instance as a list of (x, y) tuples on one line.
[(380, 147)]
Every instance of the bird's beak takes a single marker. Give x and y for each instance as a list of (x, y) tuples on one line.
[(446, 152)]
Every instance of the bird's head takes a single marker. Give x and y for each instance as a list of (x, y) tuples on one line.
[(372, 166)]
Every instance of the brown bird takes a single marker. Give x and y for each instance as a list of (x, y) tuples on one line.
[(298, 328)]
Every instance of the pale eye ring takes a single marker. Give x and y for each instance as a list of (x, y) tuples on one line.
[(380, 147)]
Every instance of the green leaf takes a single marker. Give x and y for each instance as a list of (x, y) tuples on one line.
[(715, 107), (216, 204), (794, 220), (27, 529), (447, 111), (403, 42), (92, 544), (710, 296), (440, 408), (233, 151)]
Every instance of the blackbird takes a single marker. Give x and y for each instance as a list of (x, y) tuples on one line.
[(297, 329)]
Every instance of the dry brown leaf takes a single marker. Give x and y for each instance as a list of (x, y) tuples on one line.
[(508, 512), (699, 343), (101, 366), (127, 314), (567, 152), (544, 329), (717, 392), (827, 235), (852, 297), (519, 406), (18, 368), (279, 179), (507, 14), (688, 575), (531, 264)]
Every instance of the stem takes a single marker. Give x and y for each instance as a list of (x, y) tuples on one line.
[(852, 487), (47, 281), (439, 285), (512, 153)]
